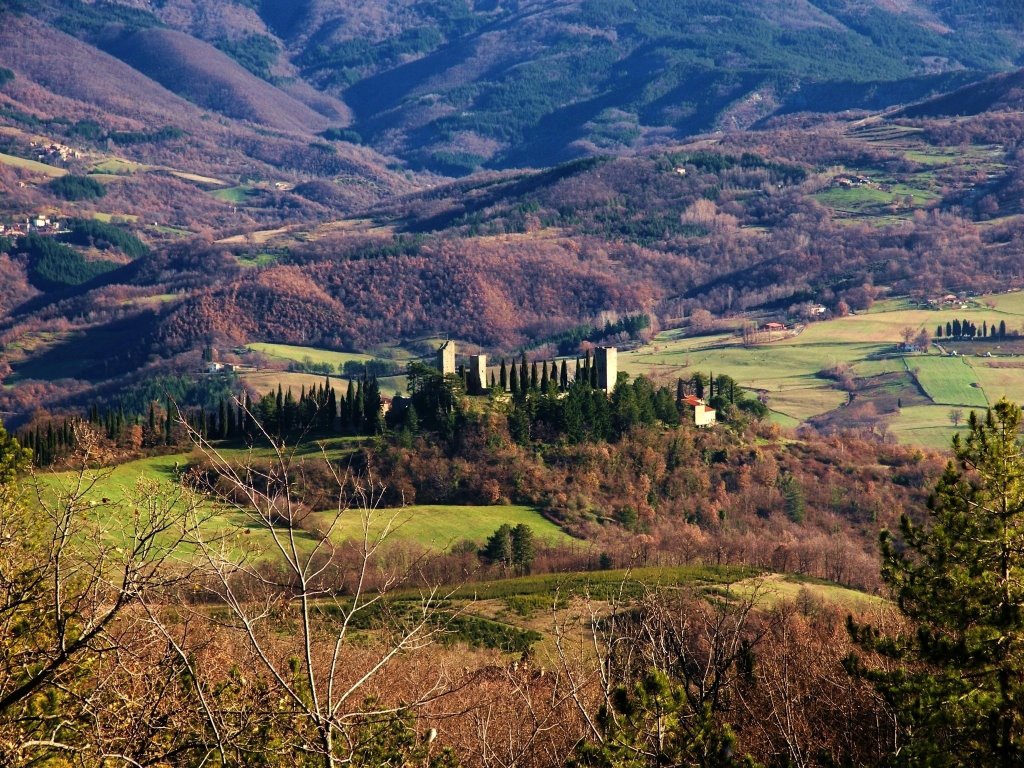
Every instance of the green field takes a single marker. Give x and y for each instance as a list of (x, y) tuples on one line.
[(441, 526), (237, 195), (296, 354), (948, 380), (787, 370), (32, 165), (436, 527)]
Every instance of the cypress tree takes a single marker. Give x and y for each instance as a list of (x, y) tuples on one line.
[(534, 378), (949, 329), (514, 381), (576, 376), (563, 378), (152, 418), (503, 376), (938, 331), (544, 378), (168, 433), (524, 375), (1002, 329)]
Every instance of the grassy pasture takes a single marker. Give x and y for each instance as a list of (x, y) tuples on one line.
[(439, 527), (291, 353), (789, 369), (237, 195), (948, 380), (268, 381), (32, 165)]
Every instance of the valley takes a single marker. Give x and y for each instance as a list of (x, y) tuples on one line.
[(250, 514)]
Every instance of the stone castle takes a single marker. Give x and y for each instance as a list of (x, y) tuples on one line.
[(606, 361)]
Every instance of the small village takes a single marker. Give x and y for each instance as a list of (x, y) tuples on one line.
[(39, 224)]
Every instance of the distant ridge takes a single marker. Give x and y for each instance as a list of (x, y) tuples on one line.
[(197, 71), (998, 92)]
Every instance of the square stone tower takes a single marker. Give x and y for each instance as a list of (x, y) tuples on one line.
[(446, 358), (606, 359), (477, 374)]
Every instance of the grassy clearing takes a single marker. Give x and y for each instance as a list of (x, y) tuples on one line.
[(117, 167), (268, 381), (257, 260), (291, 353), (32, 165), (948, 380), (109, 218), (199, 179), (439, 527), (237, 195)]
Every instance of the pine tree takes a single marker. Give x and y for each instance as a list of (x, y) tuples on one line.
[(498, 548), (957, 579)]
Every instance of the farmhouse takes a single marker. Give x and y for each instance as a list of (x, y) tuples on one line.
[(703, 416), (774, 326)]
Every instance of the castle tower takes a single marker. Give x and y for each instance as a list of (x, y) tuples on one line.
[(446, 358), (477, 374), (606, 360)]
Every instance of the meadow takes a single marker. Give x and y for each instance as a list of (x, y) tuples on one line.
[(790, 370)]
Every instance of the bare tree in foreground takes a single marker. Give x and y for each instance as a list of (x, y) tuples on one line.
[(73, 570), (304, 610)]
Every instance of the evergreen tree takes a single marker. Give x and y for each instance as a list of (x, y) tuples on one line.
[(543, 377), (1002, 329), (938, 331), (498, 548), (524, 548), (564, 376), (949, 329), (524, 375), (503, 377), (793, 498), (372, 405), (534, 377), (514, 381), (957, 578), (957, 330), (652, 723)]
